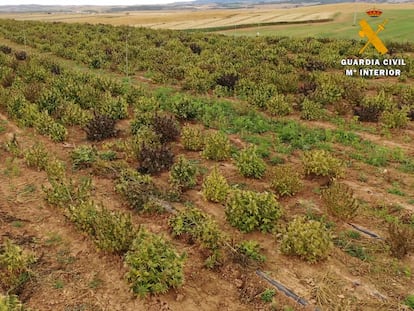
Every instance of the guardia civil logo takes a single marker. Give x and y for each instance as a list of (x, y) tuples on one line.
[(376, 66), (371, 35)]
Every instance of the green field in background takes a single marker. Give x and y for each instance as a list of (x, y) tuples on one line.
[(400, 27)]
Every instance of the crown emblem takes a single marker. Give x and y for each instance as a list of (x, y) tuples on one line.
[(374, 12)]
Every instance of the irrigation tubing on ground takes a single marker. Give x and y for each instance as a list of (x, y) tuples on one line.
[(283, 289), (371, 234), (167, 206)]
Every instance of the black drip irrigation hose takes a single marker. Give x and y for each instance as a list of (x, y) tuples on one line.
[(371, 234), (284, 289)]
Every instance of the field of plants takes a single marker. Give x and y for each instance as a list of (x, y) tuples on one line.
[(165, 170)]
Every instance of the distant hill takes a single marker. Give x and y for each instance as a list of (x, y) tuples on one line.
[(303, 2), (33, 8)]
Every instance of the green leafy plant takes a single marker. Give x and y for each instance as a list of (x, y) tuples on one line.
[(64, 191), (312, 110), (199, 225), (12, 145), (286, 180), (112, 231), (267, 295), (250, 249), (10, 303), (409, 301), (3, 123), (252, 122), (29, 115), (183, 174), (329, 89), (322, 163), (279, 105), (96, 282), (145, 135), (57, 132), (73, 114), (261, 93), (184, 107), (249, 210), (396, 189), (83, 156), (107, 155), (153, 265), (50, 101), (217, 146), (201, 228), (307, 239), (353, 234), (192, 138), (198, 80), (113, 107), (14, 266), (8, 79), (138, 189), (395, 117), (83, 215), (340, 201), (141, 118), (55, 169), (215, 187), (11, 168), (46, 125), (350, 247), (249, 163), (37, 156), (58, 284)]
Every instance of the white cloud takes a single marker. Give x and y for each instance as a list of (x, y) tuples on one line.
[(94, 2)]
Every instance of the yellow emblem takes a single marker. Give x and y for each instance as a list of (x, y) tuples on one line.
[(366, 31)]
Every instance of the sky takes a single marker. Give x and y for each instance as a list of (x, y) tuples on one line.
[(92, 2)]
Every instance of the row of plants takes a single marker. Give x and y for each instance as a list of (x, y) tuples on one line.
[(41, 93), (277, 136), (249, 210), (11, 303), (15, 271), (271, 136), (153, 264)]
